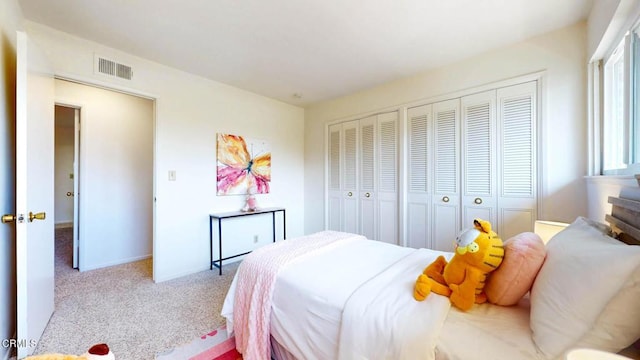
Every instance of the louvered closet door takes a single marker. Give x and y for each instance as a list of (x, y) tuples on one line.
[(387, 186), (419, 122), (517, 118), (479, 195), (350, 177), (368, 157), (334, 206), (446, 171)]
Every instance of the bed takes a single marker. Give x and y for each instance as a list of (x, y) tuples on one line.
[(347, 297)]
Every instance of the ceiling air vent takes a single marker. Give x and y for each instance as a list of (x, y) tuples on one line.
[(112, 68)]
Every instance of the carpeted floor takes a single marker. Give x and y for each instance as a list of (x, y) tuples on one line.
[(123, 307)]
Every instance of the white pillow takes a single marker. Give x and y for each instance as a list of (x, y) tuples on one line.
[(618, 325), (583, 273)]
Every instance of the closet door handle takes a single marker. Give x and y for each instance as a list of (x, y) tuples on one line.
[(445, 199), (477, 201), (349, 194), (367, 195)]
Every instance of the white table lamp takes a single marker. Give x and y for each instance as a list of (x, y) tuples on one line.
[(546, 229)]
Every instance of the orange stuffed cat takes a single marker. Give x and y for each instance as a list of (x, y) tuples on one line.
[(478, 252)]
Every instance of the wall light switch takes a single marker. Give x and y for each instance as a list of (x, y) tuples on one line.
[(172, 175)]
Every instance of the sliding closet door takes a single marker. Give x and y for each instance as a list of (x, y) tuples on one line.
[(334, 206), (378, 179), (419, 122), (367, 192), (350, 178), (363, 177), (517, 165), (479, 195), (472, 157), (387, 179), (343, 177), (446, 174)]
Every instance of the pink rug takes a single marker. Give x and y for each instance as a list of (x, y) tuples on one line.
[(216, 345)]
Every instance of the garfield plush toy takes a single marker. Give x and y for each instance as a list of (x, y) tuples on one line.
[(96, 352), (478, 252)]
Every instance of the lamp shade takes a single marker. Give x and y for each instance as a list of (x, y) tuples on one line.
[(547, 229)]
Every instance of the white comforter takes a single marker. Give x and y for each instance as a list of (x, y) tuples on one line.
[(381, 320), (355, 302)]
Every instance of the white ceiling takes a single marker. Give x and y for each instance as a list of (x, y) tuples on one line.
[(320, 49)]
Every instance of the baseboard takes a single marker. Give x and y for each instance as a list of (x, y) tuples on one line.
[(63, 225), (194, 270), (117, 262)]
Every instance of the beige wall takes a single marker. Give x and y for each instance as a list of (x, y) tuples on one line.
[(189, 111), (116, 174), (64, 130), (561, 55)]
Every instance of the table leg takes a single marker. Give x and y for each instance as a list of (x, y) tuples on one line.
[(210, 244), (273, 224), (220, 245)]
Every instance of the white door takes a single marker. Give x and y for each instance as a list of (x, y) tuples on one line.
[(34, 194), (350, 178), (334, 207), (479, 198), (419, 185), (387, 184), (367, 189), (446, 170), (517, 163)]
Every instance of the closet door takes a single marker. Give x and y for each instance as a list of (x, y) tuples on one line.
[(446, 174), (419, 122), (334, 206), (479, 195), (517, 163), (367, 194), (350, 177), (387, 180)]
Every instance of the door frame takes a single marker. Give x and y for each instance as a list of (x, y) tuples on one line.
[(76, 179), (79, 105)]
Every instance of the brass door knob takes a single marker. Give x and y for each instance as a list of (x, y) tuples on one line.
[(69, 193), (349, 193), (445, 199), (8, 218), (37, 216), (478, 201)]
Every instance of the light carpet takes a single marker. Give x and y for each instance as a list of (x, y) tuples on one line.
[(123, 307)]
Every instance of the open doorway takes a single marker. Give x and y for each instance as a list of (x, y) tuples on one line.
[(67, 154), (112, 195)]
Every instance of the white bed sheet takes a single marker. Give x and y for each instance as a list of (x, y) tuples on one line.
[(488, 332), (310, 295)]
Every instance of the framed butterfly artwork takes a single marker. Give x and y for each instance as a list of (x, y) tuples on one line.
[(243, 165)]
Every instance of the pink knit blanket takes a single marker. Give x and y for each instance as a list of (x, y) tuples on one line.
[(256, 278)]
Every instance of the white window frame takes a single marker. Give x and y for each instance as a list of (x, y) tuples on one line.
[(623, 61)]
